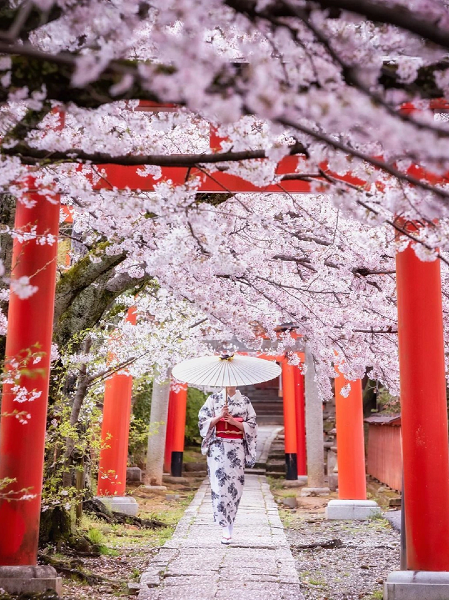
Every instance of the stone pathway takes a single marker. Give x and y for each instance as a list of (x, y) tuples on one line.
[(194, 565), (265, 437)]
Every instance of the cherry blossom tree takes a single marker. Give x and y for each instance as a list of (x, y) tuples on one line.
[(351, 89)]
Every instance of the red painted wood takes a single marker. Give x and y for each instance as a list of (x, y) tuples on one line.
[(288, 386), (121, 177), (300, 422), (423, 412), (114, 435), (384, 455), (115, 430), (350, 440), (169, 431), (180, 409), (30, 327)]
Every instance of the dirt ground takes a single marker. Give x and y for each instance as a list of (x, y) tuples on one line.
[(339, 560), (335, 560), (126, 549)]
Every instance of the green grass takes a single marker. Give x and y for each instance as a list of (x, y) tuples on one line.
[(275, 483), (109, 538), (319, 582), (95, 536)]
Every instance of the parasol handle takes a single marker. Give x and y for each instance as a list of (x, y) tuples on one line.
[(226, 404)]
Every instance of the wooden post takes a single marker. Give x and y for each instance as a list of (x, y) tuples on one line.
[(423, 412), (115, 430), (300, 423), (350, 440), (28, 341), (288, 386)]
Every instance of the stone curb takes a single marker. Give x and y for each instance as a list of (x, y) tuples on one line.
[(152, 576)]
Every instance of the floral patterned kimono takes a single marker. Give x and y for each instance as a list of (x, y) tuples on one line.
[(226, 459)]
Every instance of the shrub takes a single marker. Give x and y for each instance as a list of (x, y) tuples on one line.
[(138, 431), (195, 400)]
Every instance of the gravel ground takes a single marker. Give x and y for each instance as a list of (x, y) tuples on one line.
[(356, 558)]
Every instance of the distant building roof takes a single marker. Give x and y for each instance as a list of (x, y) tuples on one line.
[(380, 419)]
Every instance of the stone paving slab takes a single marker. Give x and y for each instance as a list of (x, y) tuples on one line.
[(194, 565)]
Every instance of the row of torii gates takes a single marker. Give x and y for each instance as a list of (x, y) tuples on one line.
[(422, 373)]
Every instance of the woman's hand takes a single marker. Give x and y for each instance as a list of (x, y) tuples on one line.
[(223, 415), (229, 419)]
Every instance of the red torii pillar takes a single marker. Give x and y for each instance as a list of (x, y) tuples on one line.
[(352, 502), (169, 432), (115, 433), (23, 423), (176, 425), (424, 429), (300, 423), (292, 423), (350, 440), (289, 396)]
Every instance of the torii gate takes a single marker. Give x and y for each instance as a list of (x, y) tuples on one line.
[(30, 322)]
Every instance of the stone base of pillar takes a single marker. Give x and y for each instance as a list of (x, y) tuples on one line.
[(417, 585), (302, 479), (294, 483), (134, 475), (30, 579), (167, 478), (126, 505), (357, 510), (315, 491), (155, 488)]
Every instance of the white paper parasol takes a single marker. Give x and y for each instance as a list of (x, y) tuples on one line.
[(226, 370)]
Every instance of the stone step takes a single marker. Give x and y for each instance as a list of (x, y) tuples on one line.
[(194, 466), (266, 400), (195, 474), (276, 465), (255, 471), (278, 447), (270, 420)]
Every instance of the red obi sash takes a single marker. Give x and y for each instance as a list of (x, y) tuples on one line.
[(227, 431)]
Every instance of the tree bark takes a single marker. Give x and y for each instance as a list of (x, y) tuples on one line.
[(314, 427), (157, 432), (79, 304), (80, 394)]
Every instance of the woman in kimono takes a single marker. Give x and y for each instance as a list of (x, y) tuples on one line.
[(227, 458)]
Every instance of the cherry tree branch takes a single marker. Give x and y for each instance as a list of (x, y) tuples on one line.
[(18, 22), (394, 224), (375, 162), (398, 15), (379, 12), (33, 156), (353, 80)]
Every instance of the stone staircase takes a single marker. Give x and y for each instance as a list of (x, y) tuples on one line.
[(276, 458), (267, 404)]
